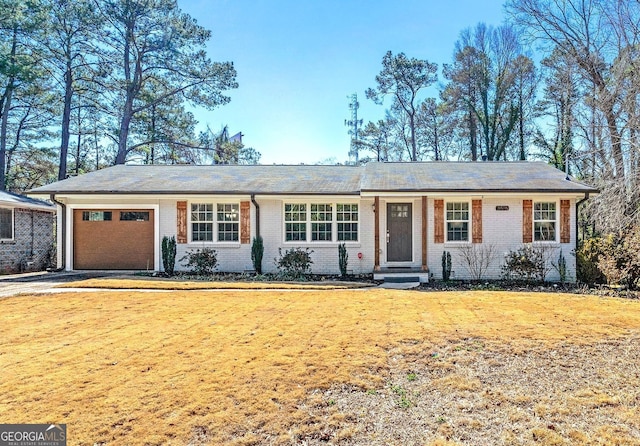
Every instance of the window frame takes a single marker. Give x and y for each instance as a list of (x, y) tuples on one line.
[(555, 221), (469, 221), (13, 224), (309, 221), (215, 232), (235, 222)]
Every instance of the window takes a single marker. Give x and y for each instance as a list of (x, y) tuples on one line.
[(457, 222), (96, 215), (228, 222), (321, 222), (544, 222), (6, 224), (295, 222), (134, 216), (347, 217), (201, 222)]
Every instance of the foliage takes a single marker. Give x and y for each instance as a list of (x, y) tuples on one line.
[(446, 265), (476, 258), (295, 263), (587, 258), (201, 261), (169, 254), (343, 259), (620, 259), (525, 263), (257, 252), (402, 78)]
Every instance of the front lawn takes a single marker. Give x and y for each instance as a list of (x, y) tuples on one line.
[(323, 367)]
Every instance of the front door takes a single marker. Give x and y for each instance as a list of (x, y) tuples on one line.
[(399, 245)]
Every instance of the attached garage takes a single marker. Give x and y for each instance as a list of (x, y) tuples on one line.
[(113, 239)]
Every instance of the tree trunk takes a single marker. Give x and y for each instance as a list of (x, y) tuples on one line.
[(66, 119)]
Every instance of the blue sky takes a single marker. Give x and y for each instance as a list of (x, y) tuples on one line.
[(299, 61)]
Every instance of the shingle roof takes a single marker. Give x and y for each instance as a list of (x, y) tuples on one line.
[(320, 180), (20, 201), (468, 177), (219, 179)]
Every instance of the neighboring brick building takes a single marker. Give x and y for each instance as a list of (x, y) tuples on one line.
[(26, 233)]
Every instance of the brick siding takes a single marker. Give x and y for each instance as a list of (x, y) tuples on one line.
[(24, 252)]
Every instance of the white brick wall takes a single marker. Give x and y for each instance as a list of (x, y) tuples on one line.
[(501, 229)]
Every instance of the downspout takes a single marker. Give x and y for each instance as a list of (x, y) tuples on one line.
[(255, 203), (62, 231), (578, 203)]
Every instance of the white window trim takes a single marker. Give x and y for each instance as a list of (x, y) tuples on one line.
[(556, 223), (334, 223), (215, 241), (13, 225), (469, 227)]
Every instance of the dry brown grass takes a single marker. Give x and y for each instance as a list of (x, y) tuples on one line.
[(258, 367), (126, 283)]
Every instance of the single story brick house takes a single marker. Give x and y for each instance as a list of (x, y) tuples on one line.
[(391, 216), (26, 233)]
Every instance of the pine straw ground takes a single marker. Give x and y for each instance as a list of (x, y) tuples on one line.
[(349, 367)]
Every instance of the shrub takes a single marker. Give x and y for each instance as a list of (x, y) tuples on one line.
[(587, 257), (619, 260), (526, 263), (169, 254), (343, 259), (201, 261), (257, 252), (294, 263), (476, 258), (446, 265)]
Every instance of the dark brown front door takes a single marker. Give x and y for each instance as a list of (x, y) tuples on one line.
[(399, 244)]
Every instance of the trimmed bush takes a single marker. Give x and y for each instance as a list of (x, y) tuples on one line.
[(201, 261), (343, 259), (295, 263), (257, 252), (446, 266), (169, 254)]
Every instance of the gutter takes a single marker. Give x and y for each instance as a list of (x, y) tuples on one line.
[(578, 203), (62, 231), (255, 203)]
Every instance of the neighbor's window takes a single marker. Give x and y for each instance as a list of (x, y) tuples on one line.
[(321, 222), (202, 222), (228, 222), (457, 222), (6, 224), (134, 216), (295, 222), (347, 216), (96, 215), (544, 222)]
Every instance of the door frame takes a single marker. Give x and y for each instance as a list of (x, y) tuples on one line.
[(383, 236)]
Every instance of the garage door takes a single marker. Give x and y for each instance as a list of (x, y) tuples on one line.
[(113, 239)]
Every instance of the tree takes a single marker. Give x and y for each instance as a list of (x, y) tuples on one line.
[(403, 78), (153, 41), (436, 128), (20, 21), (579, 29), (488, 63), (72, 26)]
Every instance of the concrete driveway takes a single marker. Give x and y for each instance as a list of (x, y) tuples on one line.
[(41, 281)]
